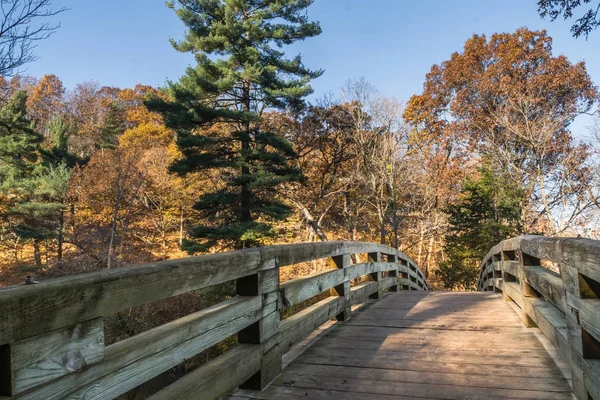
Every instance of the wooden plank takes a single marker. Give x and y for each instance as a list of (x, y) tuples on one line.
[(518, 357), (35, 309), (448, 324), (41, 359), (134, 361), (358, 270), (217, 378), (513, 290), (484, 381), (361, 292), (297, 290), (591, 377), (386, 283), (548, 283), (300, 325), (274, 392), (349, 359), (551, 321), (436, 391), (444, 341), (589, 313), (343, 290), (511, 267)]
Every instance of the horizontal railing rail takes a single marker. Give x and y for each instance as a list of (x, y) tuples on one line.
[(554, 284), (52, 333)]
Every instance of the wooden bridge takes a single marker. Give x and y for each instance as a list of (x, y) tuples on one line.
[(530, 333)]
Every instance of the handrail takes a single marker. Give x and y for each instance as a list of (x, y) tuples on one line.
[(52, 333), (563, 304)]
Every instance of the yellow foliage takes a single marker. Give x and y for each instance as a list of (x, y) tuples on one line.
[(146, 136)]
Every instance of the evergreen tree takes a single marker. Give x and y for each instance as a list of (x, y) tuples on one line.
[(488, 212), (34, 179), (239, 74), (113, 128), (19, 144), (60, 131), (20, 156)]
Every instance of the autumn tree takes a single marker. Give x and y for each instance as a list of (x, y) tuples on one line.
[(45, 103), (584, 25), (239, 74), (321, 138), (511, 98)]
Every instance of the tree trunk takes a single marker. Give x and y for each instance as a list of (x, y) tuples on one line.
[(310, 221), (36, 252), (181, 218), (113, 232), (16, 248), (395, 224), (421, 237), (429, 254), (61, 238), (246, 195)]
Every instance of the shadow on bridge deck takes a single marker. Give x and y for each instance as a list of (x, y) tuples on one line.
[(416, 345)]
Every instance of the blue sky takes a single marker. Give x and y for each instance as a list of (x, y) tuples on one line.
[(392, 43)]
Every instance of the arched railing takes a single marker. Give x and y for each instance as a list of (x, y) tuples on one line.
[(52, 333), (554, 284)]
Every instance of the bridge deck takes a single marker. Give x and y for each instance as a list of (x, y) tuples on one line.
[(424, 345)]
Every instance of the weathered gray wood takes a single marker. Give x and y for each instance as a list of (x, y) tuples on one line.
[(460, 379), (547, 283), (265, 331), (298, 290), (391, 388), (134, 361), (253, 315), (589, 313), (217, 378), (363, 358), (551, 322), (343, 289), (386, 283), (570, 319), (41, 359), (358, 270), (35, 309), (513, 290), (295, 328), (363, 291)]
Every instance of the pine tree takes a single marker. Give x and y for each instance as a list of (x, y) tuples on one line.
[(20, 153), (19, 144), (239, 74), (113, 128), (34, 179), (488, 212)]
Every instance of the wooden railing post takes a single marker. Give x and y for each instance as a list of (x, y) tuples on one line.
[(343, 290), (265, 332), (585, 348), (393, 258), (376, 276)]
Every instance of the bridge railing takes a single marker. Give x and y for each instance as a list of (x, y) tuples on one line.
[(52, 333), (555, 285)]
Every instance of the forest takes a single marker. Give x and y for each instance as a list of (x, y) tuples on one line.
[(232, 155), (240, 152)]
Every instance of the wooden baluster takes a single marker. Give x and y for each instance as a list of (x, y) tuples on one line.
[(394, 273), (582, 297), (376, 276), (264, 332), (342, 262)]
